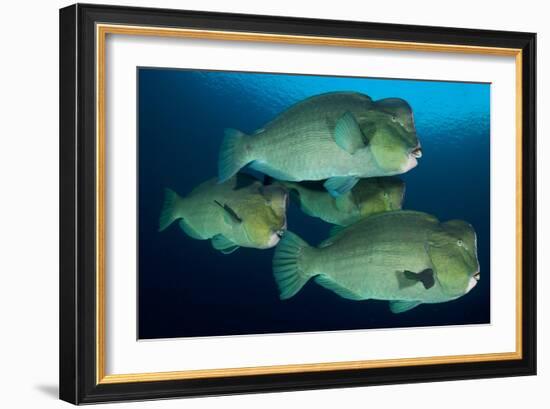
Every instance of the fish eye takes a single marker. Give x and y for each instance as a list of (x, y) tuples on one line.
[(386, 195), (393, 118), (460, 243)]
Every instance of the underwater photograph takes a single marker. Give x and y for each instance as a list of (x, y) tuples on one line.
[(278, 203)]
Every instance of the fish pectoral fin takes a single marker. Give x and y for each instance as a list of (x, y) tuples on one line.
[(348, 135), (343, 292), (230, 215), (398, 307), (223, 244), (189, 230), (339, 185), (426, 277)]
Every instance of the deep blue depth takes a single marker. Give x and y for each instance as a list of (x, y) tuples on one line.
[(186, 288)]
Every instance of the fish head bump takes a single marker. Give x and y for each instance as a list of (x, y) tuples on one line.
[(266, 220), (394, 143), (452, 247), (399, 110), (392, 190), (374, 195)]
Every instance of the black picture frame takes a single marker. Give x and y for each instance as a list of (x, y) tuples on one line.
[(78, 313)]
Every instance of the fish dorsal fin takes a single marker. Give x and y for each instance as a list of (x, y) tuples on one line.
[(230, 215), (318, 100), (397, 307), (329, 284), (223, 244), (348, 135)]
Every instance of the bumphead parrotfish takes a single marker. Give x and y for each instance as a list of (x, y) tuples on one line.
[(406, 257), (239, 212), (338, 136), (367, 197)]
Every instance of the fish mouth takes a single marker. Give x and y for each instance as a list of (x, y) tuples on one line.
[(274, 239), (417, 152), (411, 163), (412, 159), (473, 282)]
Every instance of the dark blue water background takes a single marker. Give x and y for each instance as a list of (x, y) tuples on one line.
[(186, 288)]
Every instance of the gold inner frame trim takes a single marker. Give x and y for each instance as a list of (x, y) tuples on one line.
[(101, 33)]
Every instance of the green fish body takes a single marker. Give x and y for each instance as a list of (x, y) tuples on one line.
[(339, 136), (405, 257), (367, 197), (240, 212)]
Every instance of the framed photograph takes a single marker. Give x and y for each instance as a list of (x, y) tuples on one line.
[(257, 203)]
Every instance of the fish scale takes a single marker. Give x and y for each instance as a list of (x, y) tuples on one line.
[(368, 197), (238, 212), (381, 256), (321, 138), (398, 256)]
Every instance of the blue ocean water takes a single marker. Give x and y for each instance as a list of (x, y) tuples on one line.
[(186, 288)]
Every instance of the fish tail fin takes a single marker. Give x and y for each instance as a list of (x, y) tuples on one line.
[(169, 212), (233, 154), (288, 265)]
